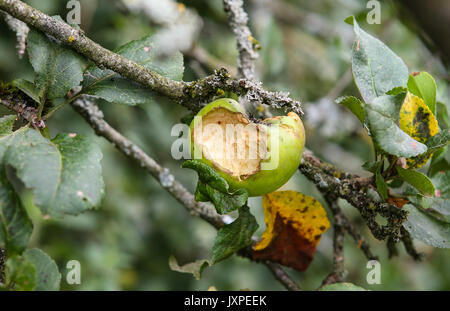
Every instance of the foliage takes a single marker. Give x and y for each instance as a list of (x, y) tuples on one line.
[(128, 241)]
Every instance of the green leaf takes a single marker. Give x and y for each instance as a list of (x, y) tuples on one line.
[(376, 69), (48, 276), (235, 236), (223, 202), (438, 162), (442, 184), (424, 86), (21, 274), (426, 228), (416, 179), (442, 115), (354, 104), (372, 166), (381, 185), (382, 117), (342, 287), (212, 187), (397, 90), (7, 124), (195, 268), (207, 175), (28, 88), (439, 205), (64, 174), (58, 69), (15, 225), (114, 88), (187, 119), (441, 139)]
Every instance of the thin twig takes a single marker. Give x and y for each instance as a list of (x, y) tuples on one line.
[(21, 29), (359, 240), (282, 276), (356, 194), (338, 273), (20, 106), (409, 246), (238, 19)]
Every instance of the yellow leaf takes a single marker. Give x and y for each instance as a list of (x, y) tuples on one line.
[(294, 225), (417, 120)]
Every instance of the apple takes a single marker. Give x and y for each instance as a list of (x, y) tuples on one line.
[(260, 156)]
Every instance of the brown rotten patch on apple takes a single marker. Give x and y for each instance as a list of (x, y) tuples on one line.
[(232, 143)]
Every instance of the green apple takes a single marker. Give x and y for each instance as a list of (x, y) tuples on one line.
[(260, 156)]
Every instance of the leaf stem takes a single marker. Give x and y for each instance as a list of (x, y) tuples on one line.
[(55, 109)]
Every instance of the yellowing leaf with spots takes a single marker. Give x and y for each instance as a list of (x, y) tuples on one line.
[(294, 225), (417, 120)]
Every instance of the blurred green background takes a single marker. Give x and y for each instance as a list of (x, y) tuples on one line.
[(125, 245)]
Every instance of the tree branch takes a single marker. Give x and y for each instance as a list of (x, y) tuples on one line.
[(238, 19), (354, 191), (189, 94), (21, 30), (338, 273), (282, 276), (18, 102)]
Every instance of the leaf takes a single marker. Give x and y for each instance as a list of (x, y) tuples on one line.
[(417, 180), (223, 202), (294, 225), (195, 268), (439, 205), (397, 90), (435, 146), (187, 119), (28, 88), (64, 174), (21, 274), (382, 116), (114, 88), (58, 69), (207, 175), (235, 236), (424, 86), (7, 124), (372, 166), (15, 225), (48, 276), (381, 185), (439, 140), (80, 186), (426, 228), (442, 115), (342, 287), (417, 120), (376, 69), (354, 104), (212, 187)]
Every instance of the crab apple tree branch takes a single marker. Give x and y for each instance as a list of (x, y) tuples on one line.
[(189, 94)]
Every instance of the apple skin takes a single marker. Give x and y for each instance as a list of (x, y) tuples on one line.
[(291, 144)]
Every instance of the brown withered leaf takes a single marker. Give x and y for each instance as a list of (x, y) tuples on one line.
[(294, 225)]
